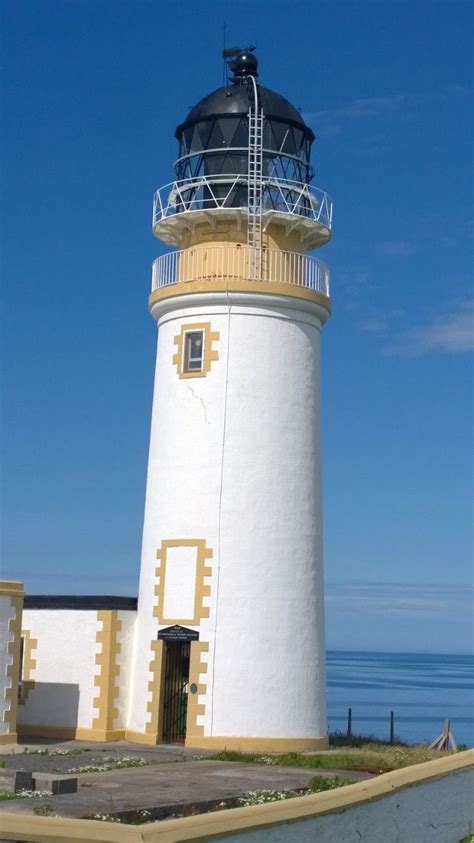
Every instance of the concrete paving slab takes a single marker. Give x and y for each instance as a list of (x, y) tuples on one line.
[(170, 784), (48, 758)]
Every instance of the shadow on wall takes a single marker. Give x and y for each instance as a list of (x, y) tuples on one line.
[(49, 704)]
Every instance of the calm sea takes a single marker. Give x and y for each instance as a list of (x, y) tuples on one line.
[(421, 690)]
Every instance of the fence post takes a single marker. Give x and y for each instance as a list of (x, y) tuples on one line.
[(392, 728), (349, 723)]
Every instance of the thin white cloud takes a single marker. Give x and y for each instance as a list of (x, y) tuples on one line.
[(396, 248), (449, 334), (330, 122), (374, 325), (400, 600)]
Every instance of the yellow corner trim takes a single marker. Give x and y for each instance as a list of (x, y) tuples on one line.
[(241, 286), (154, 707), (29, 665), (106, 681), (13, 669), (11, 587), (196, 667)]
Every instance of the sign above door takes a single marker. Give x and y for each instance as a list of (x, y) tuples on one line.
[(178, 633)]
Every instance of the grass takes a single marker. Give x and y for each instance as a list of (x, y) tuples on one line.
[(358, 741), (330, 761), (362, 753)]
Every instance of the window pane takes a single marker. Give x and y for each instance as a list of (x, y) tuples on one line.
[(193, 351)]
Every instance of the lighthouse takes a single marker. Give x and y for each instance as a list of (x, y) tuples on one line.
[(229, 640)]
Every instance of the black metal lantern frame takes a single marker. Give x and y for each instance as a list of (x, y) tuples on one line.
[(218, 145)]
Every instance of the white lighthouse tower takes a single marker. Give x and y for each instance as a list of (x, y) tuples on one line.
[(229, 644)]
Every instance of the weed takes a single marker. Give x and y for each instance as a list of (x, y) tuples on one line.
[(140, 818), (59, 751), (260, 797), (43, 810), (6, 795), (320, 783), (110, 763), (23, 794)]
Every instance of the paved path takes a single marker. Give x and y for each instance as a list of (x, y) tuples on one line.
[(171, 784), (30, 756)]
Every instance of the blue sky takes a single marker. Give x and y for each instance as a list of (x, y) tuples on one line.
[(92, 91)]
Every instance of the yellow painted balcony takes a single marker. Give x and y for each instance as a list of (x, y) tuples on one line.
[(236, 263)]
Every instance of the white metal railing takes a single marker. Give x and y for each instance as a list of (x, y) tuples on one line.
[(235, 262), (208, 193)]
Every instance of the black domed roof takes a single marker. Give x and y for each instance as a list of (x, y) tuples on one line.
[(237, 99)]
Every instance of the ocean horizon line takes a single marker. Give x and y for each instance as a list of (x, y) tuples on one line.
[(466, 654)]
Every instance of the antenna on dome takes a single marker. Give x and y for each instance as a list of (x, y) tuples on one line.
[(224, 67), (241, 62)]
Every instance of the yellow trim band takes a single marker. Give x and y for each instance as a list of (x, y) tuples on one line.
[(241, 286), (70, 733), (257, 744), (148, 739), (7, 738)]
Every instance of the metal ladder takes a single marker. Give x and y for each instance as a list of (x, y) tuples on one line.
[(255, 171)]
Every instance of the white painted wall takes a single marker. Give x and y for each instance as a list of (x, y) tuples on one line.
[(7, 613), (65, 668), (436, 811), (235, 460), (180, 582)]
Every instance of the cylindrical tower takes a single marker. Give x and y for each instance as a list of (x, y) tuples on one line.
[(229, 644)]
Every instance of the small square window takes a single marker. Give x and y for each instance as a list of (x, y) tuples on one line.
[(193, 351)]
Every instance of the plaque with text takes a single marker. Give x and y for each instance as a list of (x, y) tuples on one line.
[(178, 633)]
